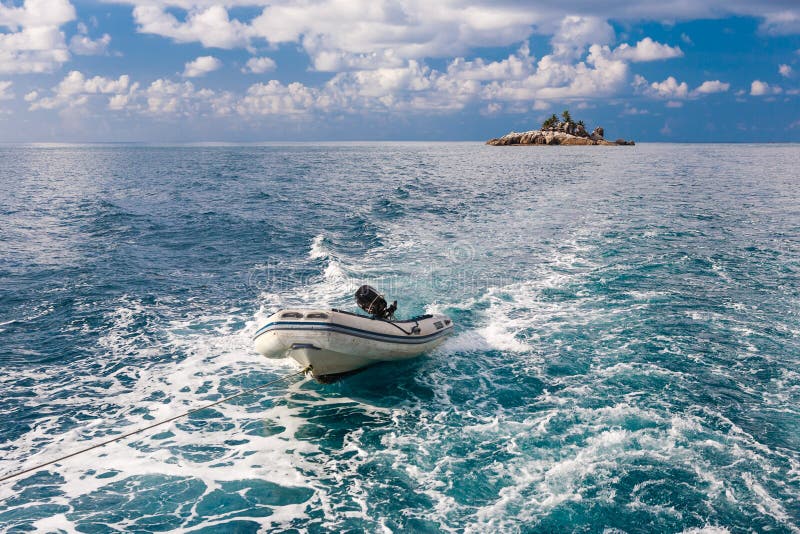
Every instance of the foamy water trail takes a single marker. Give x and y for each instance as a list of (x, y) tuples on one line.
[(210, 448)]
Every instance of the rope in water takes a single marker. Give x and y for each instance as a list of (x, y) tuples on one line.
[(148, 427)]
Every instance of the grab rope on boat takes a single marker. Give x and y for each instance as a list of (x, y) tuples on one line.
[(148, 427), (414, 329)]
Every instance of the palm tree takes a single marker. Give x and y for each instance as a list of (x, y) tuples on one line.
[(566, 116), (550, 122)]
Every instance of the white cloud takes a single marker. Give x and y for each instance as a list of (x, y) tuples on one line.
[(201, 66), (759, 88), (516, 82), (36, 13), (83, 45), (492, 108), (206, 24), (259, 65), (274, 98), (75, 89), (516, 67), (782, 22), (5, 91), (577, 32), (119, 101), (711, 86), (785, 70), (672, 89), (34, 42), (343, 35), (669, 88), (166, 96), (553, 79), (634, 111), (647, 50)]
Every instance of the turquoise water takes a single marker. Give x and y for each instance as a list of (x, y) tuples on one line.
[(625, 360)]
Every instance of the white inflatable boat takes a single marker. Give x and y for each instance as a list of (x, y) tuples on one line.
[(334, 342)]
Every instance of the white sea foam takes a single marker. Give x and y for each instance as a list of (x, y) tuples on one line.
[(331, 288), (218, 360), (318, 250), (767, 504), (708, 529)]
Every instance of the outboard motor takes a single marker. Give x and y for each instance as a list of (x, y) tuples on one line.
[(373, 303)]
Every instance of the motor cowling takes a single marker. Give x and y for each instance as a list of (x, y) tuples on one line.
[(372, 302)]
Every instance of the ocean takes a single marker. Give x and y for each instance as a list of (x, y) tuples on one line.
[(626, 355)]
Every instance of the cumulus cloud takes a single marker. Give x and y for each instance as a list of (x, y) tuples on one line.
[(674, 90), (75, 89), (598, 75), (577, 32), (759, 88), (414, 86), (201, 66), (34, 42), (5, 91), (669, 88), (161, 98), (274, 98), (516, 67), (206, 24), (168, 97), (634, 111), (339, 35), (711, 86), (259, 65), (785, 70), (83, 45), (647, 50)]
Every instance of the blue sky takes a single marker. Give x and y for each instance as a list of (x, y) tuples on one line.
[(267, 70)]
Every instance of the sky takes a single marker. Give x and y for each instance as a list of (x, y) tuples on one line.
[(346, 70)]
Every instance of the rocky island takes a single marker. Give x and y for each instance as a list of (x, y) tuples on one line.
[(558, 132)]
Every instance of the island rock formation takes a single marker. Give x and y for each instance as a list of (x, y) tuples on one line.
[(554, 132)]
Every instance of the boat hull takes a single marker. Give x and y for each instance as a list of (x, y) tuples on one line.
[(332, 342)]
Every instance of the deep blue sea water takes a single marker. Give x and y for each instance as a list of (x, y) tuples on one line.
[(626, 357)]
